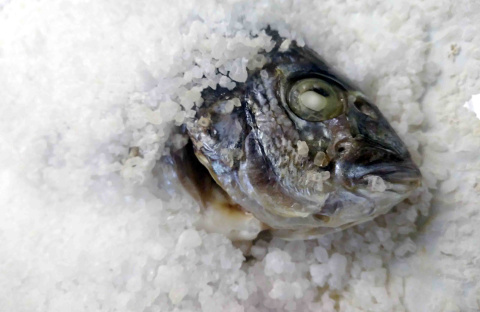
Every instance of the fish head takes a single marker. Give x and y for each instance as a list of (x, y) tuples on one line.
[(309, 152)]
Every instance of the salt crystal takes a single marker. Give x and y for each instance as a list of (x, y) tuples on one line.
[(264, 74), (302, 148), (239, 73), (197, 72), (276, 262), (337, 264), (179, 141), (407, 246), (328, 304), (225, 262), (374, 248), (300, 42), (190, 113), (325, 241), (154, 117), (291, 306), (227, 107), (169, 109), (376, 184), (296, 249), (319, 273), (177, 293), (279, 290), (402, 268), (320, 159), (388, 244), (321, 254), (370, 261), (134, 284), (449, 185), (256, 62), (285, 45), (473, 104), (258, 252), (236, 102), (165, 277), (158, 252), (411, 214), (180, 117), (188, 239), (226, 82)]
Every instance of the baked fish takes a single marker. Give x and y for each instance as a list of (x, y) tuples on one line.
[(297, 150)]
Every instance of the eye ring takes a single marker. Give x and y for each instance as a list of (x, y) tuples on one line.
[(315, 99)]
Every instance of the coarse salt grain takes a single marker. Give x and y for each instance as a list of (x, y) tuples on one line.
[(376, 183), (188, 239), (320, 159), (302, 148)]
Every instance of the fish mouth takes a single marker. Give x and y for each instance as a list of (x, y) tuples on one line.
[(393, 173), (366, 158), (402, 177)]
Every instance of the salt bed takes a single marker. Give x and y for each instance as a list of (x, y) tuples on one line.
[(83, 226)]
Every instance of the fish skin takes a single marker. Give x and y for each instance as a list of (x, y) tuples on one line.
[(252, 151)]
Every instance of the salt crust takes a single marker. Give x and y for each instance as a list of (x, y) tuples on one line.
[(83, 225)]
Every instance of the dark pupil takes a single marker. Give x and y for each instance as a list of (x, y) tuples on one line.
[(322, 92)]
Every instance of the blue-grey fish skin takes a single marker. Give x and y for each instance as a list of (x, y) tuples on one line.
[(301, 147)]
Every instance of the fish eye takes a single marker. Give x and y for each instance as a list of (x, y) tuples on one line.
[(314, 99)]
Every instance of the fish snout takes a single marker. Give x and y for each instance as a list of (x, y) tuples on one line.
[(364, 144), (368, 123), (362, 158)]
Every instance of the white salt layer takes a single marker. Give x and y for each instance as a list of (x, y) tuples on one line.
[(89, 93)]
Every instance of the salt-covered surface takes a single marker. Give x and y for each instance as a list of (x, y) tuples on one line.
[(89, 90)]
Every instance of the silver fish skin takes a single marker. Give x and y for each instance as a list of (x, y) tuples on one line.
[(300, 148)]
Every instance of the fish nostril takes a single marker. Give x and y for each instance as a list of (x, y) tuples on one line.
[(365, 108), (341, 147)]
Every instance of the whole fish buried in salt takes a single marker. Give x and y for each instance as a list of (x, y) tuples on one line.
[(296, 150)]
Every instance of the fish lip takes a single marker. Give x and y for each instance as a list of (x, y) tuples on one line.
[(390, 165), (394, 173), (406, 173)]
